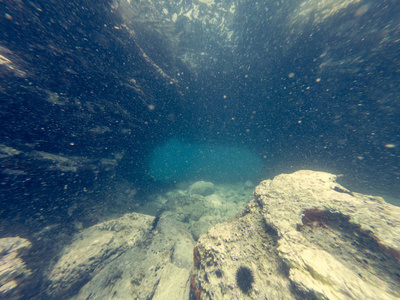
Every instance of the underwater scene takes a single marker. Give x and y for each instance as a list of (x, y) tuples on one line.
[(199, 149)]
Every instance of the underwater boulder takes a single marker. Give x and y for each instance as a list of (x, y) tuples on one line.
[(202, 188), (303, 236)]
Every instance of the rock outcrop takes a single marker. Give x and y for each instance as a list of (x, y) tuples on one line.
[(13, 271), (95, 248), (306, 236), (139, 256), (303, 236)]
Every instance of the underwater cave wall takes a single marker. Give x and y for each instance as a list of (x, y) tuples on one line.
[(80, 93)]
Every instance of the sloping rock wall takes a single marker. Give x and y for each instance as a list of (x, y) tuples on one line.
[(306, 236)]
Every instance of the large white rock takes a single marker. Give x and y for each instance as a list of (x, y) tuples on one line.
[(93, 249), (304, 236)]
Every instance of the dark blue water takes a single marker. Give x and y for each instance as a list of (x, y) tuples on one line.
[(99, 98)]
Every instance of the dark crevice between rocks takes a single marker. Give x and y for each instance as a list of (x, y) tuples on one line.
[(302, 295), (270, 231)]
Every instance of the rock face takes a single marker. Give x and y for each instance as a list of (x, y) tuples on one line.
[(156, 268), (303, 236), (126, 258), (13, 270), (93, 249), (139, 256)]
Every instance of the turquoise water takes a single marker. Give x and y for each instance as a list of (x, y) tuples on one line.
[(112, 107), (176, 160)]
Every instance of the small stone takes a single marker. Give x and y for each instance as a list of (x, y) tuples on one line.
[(248, 185), (202, 188)]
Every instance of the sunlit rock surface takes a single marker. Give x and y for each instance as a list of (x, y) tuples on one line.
[(93, 249), (306, 236), (303, 236), (143, 257), (13, 271)]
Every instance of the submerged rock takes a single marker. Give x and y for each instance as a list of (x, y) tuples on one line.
[(202, 188), (127, 258), (306, 236), (303, 236), (93, 249), (13, 271)]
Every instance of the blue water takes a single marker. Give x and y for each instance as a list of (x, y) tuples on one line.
[(91, 93), (176, 161)]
